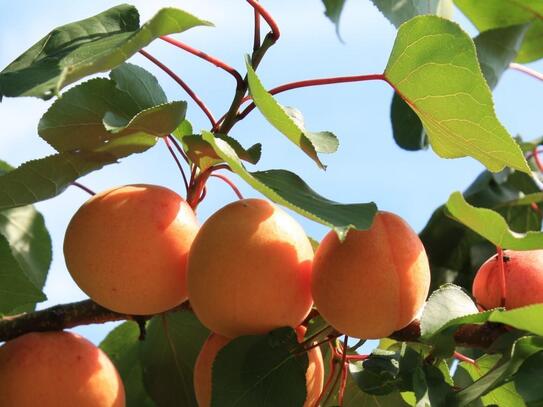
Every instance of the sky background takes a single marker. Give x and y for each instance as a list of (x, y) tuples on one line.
[(368, 165)]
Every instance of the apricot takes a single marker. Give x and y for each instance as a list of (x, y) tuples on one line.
[(249, 270), (53, 369), (127, 248), (375, 281), (314, 375), (523, 280)]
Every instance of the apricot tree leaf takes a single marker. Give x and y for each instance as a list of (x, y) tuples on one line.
[(289, 190), (96, 44), (400, 12), (491, 225), (16, 289), (168, 356), (289, 121), (260, 370), (489, 14), (90, 115), (434, 68)]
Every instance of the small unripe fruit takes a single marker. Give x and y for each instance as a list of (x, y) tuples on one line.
[(54, 369), (375, 281), (249, 270), (523, 280), (127, 248), (204, 364)]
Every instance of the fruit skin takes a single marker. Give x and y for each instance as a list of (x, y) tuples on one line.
[(52, 369), (127, 248), (249, 270), (203, 369), (523, 280), (373, 283)]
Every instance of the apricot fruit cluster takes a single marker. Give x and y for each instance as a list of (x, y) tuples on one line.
[(53, 369)]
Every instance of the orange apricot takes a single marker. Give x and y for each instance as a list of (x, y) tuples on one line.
[(249, 270), (375, 281), (127, 248), (523, 280), (314, 375), (52, 369)]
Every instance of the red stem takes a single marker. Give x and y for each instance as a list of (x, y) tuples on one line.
[(332, 371), (83, 187), (183, 84), (537, 160), (464, 358), (524, 69), (313, 82), (256, 41), (230, 184), (167, 141), (267, 17), (206, 57), (178, 148), (344, 367), (501, 270)]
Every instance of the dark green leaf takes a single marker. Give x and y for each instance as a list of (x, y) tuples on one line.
[(400, 12), (407, 128), (496, 49), (168, 356), (289, 121), (377, 375), (333, 9), (487, 15), (92, 114), (289, 190), (123, 348), (434, 68), (500, 373), (430, 386), (528, 380), (260, 370), (96, 44), (491, 225), (445, 304), (506, 394), (16, 289), (47, 177)]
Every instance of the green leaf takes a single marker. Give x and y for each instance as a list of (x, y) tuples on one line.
[(16, 289), (433, 66), (96, 44), (377, 375), (496, 48), (90, 115), (47, 177), (291, 191), (122, 345), (466, 374), (445, 304), (168, 356), (528, 380), (204, 156), (289, 121), (487, 15), (492, 226), (400, 12), (333, 9), (456, 252), (262, 370), (430, 386), (504, 369)]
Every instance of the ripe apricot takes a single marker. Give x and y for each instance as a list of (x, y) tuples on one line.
[(314, 375), (523, 280), (375, 281), (249, 270), (127, 248), (53, 369)]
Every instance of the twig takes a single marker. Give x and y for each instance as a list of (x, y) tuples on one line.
[(229, 183), (267, 17), (170, 149), (83, 187), (524, 69)]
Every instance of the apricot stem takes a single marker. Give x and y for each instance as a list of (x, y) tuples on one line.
[(179, 148), (230, 184), (83, 187), (206, 57), (528, 71), (344, 367), (170, 149), (464, 358), (183, 84), (256, 40), (267, 17), (501, 270), (537, 160), (332, 371)]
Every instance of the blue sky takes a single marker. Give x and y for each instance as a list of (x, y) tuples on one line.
[(368, 165)]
